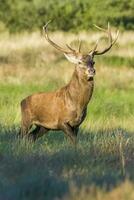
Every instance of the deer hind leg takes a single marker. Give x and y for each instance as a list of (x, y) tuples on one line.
[(25, 119), (25, 126), (37, 132)]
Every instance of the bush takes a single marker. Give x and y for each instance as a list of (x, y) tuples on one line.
[(67, 15)]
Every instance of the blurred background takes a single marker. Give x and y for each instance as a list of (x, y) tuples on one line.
[(102, 167), (68, 15)]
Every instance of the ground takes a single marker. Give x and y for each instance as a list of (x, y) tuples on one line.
[(51, 168)]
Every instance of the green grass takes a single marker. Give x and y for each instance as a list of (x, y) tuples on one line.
[(102, 165), (47, 168), (116, 61)]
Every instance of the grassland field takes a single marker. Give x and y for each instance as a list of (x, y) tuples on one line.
[(103, 165)]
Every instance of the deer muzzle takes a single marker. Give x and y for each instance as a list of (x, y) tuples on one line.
[(90, 72)]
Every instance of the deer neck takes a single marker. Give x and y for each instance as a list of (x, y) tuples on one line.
[(79, 87)]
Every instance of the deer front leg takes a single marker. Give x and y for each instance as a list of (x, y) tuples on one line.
[(68, 130), (75, 130), (38, 132)]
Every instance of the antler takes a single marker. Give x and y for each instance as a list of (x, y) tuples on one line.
[(53, 43), (79, 47), (111, 41)]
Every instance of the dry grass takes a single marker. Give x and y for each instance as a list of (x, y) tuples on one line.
[(124, 191), (36, 40), (102, 167)]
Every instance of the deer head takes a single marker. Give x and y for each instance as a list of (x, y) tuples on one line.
[(84, 61)]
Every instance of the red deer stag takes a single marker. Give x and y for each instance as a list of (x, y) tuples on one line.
[(64, 109)]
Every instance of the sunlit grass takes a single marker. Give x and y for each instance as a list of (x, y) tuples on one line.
[(112, 98), (102, 165)]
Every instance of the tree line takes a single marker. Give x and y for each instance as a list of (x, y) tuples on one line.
[(72, 15)]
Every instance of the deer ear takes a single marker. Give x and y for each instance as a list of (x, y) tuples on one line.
[(72, 58)]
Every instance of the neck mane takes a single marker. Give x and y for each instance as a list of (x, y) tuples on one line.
[(80, 88)]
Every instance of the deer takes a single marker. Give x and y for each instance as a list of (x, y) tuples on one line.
[(66, 108)]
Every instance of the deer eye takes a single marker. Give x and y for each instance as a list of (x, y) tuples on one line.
[(93, 62)]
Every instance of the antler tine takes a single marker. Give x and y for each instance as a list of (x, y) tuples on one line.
[(95, 47), (117, 34), (51, 42), (68, 46), (102, 29), (111, 41), (109, 33), (45, 26), (79, 47)]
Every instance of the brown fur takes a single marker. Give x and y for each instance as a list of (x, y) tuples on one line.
[(64, 109)]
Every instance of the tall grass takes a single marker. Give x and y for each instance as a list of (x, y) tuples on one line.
[(102, 166)]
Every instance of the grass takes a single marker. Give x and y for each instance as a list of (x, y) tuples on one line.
[(51, 168), (102, 166)]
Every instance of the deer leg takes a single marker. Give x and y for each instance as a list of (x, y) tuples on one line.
[(37, 132), (68, 130), (41, 132), (25, 119), (25, 126), (75, 130), (32, 135)]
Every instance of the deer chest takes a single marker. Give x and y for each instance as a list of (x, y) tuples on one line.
[(78, 117)]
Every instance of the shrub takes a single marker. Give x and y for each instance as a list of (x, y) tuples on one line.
[(66, 15)]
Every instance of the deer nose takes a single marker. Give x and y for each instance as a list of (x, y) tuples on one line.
[(92, 70)]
